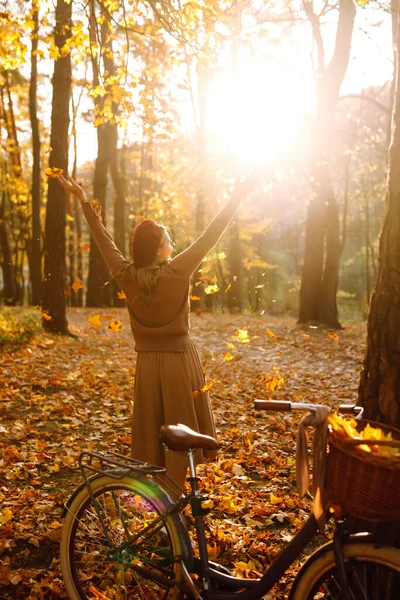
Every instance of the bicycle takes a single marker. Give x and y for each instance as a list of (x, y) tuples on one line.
[(124, 537)]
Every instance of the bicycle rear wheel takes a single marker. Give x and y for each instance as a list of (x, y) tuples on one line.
[(111, 547), (373, 573)]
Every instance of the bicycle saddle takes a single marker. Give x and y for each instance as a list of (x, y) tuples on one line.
[(181, 438)]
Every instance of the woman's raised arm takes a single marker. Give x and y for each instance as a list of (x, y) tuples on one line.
[(113, 258), (187, 261)]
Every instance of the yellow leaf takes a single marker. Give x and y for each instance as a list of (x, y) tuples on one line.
[(205, 388), (56, 468), (114, 325), (243, 566), (221, 255), (77, 285), (6, 515), (333, 335), (85, 247), (44, 314), (227, 357), (211, 289), (95, 320), (274, 499), (53, 172), (270, 333), (121, 296), (242, 336), (228, 287), (194, 298), (230, 345)]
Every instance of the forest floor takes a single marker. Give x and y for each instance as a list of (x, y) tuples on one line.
[(60, 395)]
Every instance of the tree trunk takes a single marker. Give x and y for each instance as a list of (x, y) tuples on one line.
[(35, 250), (379, 390), (115, 171), (54, 264), (77, 297), (98, 288), (328, 313), (234, 301), (9, 288), (318, 285)]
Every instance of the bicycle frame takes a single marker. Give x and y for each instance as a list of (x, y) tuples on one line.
[(251, 589)]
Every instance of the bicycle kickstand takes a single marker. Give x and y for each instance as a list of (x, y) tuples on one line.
[(338, 538)]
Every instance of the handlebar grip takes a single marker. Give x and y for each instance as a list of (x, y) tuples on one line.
[(280, 405), (349, 409)]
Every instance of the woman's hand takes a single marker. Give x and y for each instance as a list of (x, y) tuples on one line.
[(242, 189), (72, 187)]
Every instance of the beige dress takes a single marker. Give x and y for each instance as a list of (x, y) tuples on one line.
[(169, 374)]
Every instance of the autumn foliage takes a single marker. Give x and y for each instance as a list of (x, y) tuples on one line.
[(60, 396)]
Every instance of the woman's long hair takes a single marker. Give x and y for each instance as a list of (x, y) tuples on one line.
[(146, 277)]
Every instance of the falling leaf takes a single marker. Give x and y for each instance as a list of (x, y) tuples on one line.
[(53, 172), (230, 345), (221, 255), (333, 335), (211, 289), (242, 336), (44, 314), (85, 247), (77, 285), (193, 298), (95, 320), (270, 333), (228, 287), (121, 296), (205, 388), (114, 325), (275, 381), (227, 357)]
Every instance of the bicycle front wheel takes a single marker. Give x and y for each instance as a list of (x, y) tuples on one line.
[(372, 572), (112, 546)]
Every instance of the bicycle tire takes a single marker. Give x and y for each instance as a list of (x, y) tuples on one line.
[(88, 568), (372, 572)]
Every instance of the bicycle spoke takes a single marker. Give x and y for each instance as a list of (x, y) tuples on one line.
[(120, 516)]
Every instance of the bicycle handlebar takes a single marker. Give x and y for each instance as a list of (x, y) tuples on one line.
[(287, 406)]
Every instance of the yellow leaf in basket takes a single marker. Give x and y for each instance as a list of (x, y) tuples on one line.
[(344, 428)]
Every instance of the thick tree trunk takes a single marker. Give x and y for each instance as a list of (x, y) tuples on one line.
[(379, 390), (317, 284), (328, 313), (54, 264), (35, 250)]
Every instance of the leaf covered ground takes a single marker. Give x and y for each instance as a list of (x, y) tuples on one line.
[(61, 395)]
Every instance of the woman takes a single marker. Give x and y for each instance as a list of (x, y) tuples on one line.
[(168, 368)]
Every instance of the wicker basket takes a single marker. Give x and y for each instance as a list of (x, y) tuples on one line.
[(364, 485)]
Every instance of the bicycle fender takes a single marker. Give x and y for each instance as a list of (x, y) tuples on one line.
[(357, 538)]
